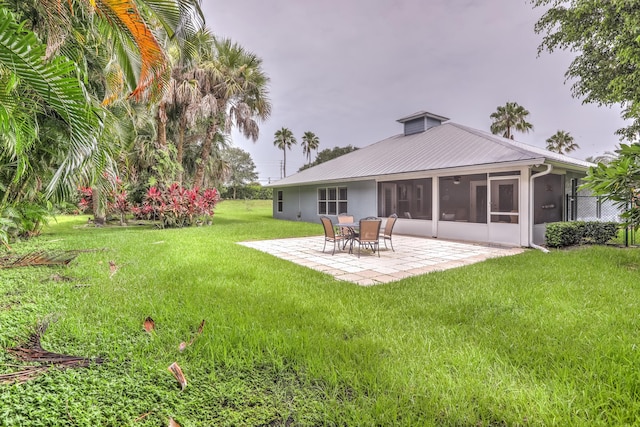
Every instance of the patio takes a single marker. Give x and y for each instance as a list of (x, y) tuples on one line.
[(412, 256)]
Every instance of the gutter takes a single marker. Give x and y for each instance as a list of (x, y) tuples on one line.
[(531, 213)]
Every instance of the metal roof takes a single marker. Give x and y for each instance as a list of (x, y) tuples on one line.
[(446, 146)]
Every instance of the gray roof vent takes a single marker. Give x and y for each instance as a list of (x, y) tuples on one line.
[(421, 121)]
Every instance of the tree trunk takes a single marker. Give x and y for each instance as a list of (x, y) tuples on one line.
[(161, 120), (180, 151), (284, 164), (99, 213), (198, 180)]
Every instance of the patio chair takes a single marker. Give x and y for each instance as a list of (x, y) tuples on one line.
[(345, 218), (387, 233), (369, 234), (330, 234)]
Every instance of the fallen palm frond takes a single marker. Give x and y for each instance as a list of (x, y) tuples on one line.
[(38, 258), (32, 351), (24, 375)]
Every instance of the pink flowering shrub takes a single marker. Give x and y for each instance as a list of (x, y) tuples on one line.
[(174, 206), (177, 206)]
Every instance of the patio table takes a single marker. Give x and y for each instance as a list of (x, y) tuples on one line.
[(352, 226)]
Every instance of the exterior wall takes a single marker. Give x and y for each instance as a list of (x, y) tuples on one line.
[(301, 203), (539, 231), (414, 126)]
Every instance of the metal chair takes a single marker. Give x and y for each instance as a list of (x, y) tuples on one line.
[(330, 234), (345, 218), (387, 233), (369, 234)]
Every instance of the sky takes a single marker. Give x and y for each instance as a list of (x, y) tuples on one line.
[(346, 70)]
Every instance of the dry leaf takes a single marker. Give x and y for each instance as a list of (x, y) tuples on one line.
[(183, 345), (113, 268), (174, 368), (172, 423), (149, 325)]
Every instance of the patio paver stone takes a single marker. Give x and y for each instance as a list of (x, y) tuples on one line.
[(412, 256)]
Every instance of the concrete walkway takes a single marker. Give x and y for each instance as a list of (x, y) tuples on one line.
[(412, 256)]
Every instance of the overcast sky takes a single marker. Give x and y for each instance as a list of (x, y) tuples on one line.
[(348, 69)]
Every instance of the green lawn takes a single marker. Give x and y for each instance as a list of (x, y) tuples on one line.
[(533, 339)]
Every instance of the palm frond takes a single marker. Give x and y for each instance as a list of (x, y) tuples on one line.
[(124, 14), (55, 84)]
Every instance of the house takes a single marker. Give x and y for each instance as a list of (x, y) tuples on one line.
[(443, 180)]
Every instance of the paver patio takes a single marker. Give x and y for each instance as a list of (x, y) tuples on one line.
[(412, 256)]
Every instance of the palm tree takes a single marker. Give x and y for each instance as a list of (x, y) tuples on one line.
[(284, 139), (53, 82), (309, 143), (561, 142), (234, 77), (606, 157), (510, 117)]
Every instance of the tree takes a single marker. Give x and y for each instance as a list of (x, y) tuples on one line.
[(619, 181), (508, 118), (284, 140), (606, 157), (329, 154), (90, 51), (604, 36), (309, 143), (561, 142), (242, 168), (240, 87)]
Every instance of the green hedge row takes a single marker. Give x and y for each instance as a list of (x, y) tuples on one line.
[(254, 192), (560, 234)]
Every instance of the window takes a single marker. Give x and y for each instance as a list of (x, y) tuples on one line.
[(332, 200), (408, 198), (280, 201), (463, 198)]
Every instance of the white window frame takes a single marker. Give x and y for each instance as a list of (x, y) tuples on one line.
[(323, 205)]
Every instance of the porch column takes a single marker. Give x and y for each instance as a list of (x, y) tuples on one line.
[(525, 174), (435, 205)]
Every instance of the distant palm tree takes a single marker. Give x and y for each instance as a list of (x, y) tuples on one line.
[(561, 142), (606, 157), (284, 139), (309, 143), (510, 117)]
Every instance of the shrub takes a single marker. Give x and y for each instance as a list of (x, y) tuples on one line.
[(561, 234), (252, 191), (177, 206)]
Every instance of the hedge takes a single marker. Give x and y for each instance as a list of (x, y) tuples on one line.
[(561, 234)]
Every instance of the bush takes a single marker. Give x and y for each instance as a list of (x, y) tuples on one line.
[(176, 206), (253, 192), (561, 234)]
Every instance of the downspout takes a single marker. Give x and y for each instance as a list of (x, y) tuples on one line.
[(531, 213)]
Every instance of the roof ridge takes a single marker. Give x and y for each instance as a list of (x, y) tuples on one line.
[(505, 142)]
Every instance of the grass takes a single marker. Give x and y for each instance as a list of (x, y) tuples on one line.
[(533, 339)]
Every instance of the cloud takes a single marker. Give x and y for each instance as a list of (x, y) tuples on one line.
[(348, 70)]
